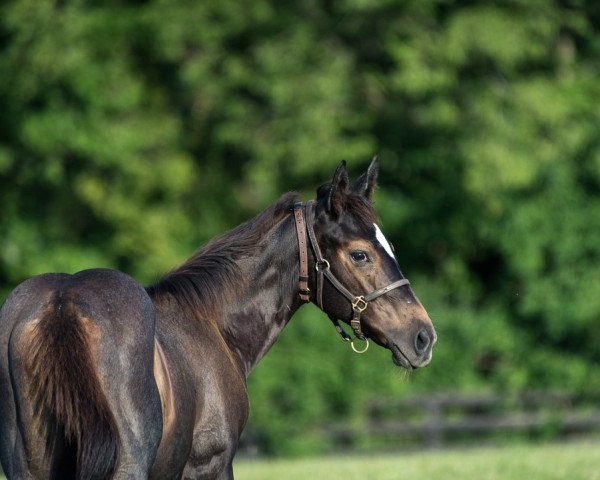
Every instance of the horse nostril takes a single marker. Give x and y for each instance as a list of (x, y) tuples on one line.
[(422, 341)]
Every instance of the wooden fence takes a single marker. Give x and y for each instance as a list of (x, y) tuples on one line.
[(445, 419)]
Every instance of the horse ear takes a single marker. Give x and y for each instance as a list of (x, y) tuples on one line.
[(338, 191), (367, 182)]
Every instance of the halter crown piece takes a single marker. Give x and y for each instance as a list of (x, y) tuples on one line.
[(304, 216)]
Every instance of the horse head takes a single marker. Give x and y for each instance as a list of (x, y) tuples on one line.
[(356, 277)]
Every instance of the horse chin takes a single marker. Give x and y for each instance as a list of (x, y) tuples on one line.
[(399, 358)]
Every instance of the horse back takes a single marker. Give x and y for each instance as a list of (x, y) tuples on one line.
[(61, 336)]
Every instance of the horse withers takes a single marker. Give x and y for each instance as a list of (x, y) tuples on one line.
[(101, 378)]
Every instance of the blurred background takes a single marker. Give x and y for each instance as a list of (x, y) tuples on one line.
[(133, 131)]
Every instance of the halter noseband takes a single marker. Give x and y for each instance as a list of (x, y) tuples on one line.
[(303, 215)]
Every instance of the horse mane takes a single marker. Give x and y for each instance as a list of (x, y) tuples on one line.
[(204, 281)]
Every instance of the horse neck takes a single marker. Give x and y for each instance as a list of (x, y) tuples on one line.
[(251, 324)]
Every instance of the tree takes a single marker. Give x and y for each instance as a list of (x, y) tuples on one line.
[(132, 132)]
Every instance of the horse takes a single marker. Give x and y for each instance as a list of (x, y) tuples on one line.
[(102, 378)]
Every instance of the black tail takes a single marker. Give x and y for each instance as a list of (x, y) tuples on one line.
[(70, 408)]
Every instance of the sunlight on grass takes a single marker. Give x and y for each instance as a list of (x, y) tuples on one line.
[(573, 461)]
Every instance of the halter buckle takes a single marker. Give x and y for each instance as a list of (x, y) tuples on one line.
[(360, 304)]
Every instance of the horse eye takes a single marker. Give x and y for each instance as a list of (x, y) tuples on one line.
[(359, 256)]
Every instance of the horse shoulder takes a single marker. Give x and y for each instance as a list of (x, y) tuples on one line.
[(203, 392)]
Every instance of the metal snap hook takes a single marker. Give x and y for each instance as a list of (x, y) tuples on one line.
[(356, 350)]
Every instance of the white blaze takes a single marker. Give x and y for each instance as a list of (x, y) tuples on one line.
[(383, 241)]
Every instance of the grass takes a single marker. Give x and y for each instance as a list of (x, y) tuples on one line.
[(569, 461)]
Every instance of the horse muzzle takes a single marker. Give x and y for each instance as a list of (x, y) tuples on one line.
[(414, 351)]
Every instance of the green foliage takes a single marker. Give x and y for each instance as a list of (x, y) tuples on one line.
[(131, 132)]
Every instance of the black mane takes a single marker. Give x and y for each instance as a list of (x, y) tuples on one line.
[(210, 276)]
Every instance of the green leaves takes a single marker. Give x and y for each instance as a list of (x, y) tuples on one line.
[(130, 134)]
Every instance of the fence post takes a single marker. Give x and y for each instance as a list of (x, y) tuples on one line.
[(434, 430)]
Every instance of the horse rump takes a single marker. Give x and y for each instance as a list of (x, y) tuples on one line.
[(66, 419)]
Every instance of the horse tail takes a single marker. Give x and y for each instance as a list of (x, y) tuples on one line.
[(69, 407)]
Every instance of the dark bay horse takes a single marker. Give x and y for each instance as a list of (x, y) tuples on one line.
[(102, 378)]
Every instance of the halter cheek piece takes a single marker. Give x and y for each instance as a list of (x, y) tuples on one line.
[(304, 216)]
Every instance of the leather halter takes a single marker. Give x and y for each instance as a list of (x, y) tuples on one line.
[(304, 216)]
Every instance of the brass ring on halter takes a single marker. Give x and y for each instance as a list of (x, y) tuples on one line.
[(356, 350)]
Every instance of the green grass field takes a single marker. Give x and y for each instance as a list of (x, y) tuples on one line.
[(569, 461)]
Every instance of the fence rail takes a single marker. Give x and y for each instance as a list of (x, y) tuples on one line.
[(448, 419), (443, 419)]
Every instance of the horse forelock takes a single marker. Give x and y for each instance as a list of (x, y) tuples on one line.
[(361, 209), (356, 205)]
